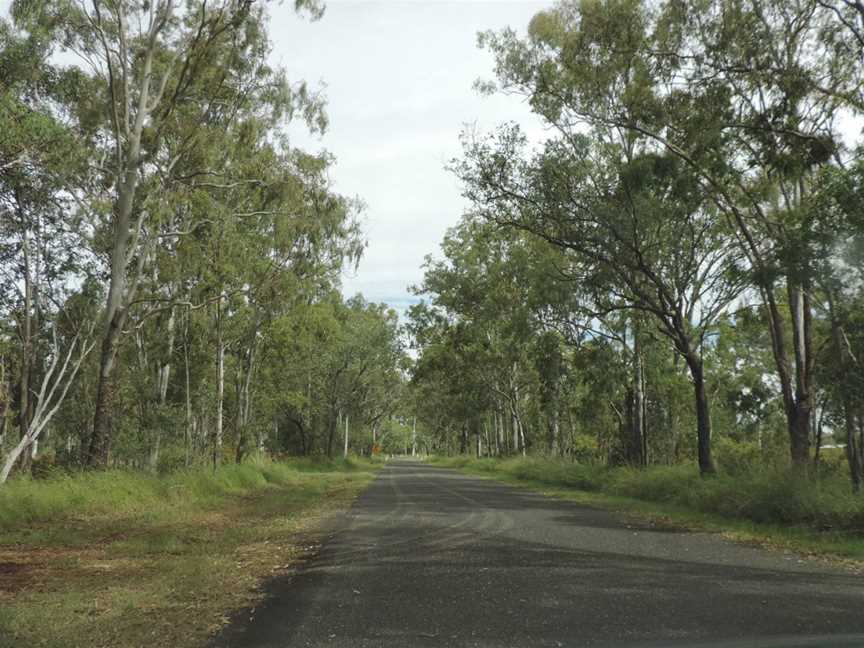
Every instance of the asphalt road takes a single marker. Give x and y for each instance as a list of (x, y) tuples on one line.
[(431, 557)]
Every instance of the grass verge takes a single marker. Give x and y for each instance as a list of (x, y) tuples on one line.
[(819, 519), (126, 559)]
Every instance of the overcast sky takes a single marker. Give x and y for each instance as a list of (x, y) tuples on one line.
[(398, 79)]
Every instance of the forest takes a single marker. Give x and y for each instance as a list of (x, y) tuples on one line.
[(170, 291), (649, 314), (674, 274)]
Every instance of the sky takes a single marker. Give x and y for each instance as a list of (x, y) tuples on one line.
[(398, 77)]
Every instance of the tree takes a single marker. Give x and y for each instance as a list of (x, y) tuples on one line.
[(638, 234), (39, 161), (752, 123), (158, 63)]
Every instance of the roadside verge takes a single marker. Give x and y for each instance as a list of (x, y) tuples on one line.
[(125, 559), (840, 542)]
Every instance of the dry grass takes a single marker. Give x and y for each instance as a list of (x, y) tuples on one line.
[(167, 579)]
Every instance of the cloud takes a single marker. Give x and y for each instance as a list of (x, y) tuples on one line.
[(399, 81)]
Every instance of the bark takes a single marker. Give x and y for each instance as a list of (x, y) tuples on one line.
[(522, 436), (703, 414), (244, 401), (332, 424), (303, 449), (99, 447), (554, 431), (486, 435), (637, 421), (800, 409), (345, 451), (500, 433), (817, 445), (26, 339), (220, 386), (188, 417)]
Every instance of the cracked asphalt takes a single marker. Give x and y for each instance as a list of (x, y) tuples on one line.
[(431, 557)]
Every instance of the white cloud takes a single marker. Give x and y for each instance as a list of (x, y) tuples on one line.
[(399, 81)]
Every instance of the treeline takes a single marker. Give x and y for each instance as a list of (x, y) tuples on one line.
[(679, 265), (170, 264)]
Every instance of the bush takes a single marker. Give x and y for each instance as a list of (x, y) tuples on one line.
[(735, 457)]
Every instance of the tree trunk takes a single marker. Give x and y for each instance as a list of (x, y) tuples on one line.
[(244, 401), (99, 448), (554, 432), (12, 457), (332, 424), (220, 386), (703, 415), (637, 420), (345, 451), (26, 339), (817, 442), (188, 417)]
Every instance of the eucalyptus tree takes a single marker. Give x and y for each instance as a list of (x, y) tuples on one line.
[(450, 383), (40, 159), (637, 232), (496, 297), (157, 64), (836, 201), (747, 93), (478, 284)]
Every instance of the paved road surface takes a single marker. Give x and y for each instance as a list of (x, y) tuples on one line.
[(431, 557)]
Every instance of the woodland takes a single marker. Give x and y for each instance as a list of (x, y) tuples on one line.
[(674, 275), (170, 291)]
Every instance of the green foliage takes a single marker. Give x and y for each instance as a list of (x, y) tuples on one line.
[(688, 233)]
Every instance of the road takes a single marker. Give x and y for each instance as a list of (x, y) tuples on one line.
[(431, 557)]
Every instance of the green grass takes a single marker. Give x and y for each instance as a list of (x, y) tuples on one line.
[(762, 504), (127, 559)]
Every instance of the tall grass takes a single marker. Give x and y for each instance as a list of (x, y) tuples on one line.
[(759, 493), (125, 493)]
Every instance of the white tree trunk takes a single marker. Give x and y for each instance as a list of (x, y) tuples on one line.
[(345, 453), (220, 386), (48, 400)]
